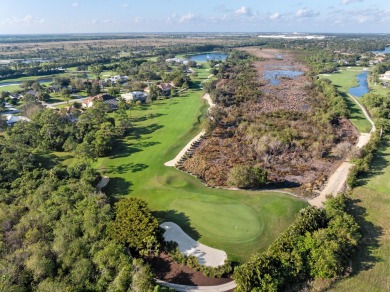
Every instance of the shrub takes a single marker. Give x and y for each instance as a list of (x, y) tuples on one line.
[(246, 176)]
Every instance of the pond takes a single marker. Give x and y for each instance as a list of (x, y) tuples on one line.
[(362, 89), (274, 76), (209, 56), (9, 83), (385, 51)]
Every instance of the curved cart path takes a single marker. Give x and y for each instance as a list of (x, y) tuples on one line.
[(183, 288), (336, 181), (175, 160)]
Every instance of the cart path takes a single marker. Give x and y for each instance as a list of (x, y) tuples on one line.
[(336, 182), (184, 288)]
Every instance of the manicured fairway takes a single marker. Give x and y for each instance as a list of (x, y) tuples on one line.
[(343, 81), (371, 267), (239, 222)]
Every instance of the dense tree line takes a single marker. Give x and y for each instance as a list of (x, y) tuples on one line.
[(54, 229), (93, 135), (318, 245)]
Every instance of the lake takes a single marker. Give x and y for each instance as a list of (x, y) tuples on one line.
[(385, 51), (209, 56), (362, 89), (9, 83), (274, 76)]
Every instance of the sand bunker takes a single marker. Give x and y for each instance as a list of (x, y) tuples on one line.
[(207, 256)]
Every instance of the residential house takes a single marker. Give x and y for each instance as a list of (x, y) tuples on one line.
[(32, 92), (135, 96), (11, 119), (166, 87), (112, 101)]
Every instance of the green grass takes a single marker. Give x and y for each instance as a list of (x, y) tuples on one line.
[(343, 81), (371, 266), (239, 222)]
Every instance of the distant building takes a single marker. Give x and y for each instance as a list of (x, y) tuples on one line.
[(112, 101), (134, 96), (177, 61), (11, 119)]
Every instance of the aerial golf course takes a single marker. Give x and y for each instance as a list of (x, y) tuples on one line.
[(238, 222)]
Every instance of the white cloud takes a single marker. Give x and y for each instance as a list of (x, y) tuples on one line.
[(306, 13), (276, 16), (188, 18), (124, 5), (28, 19), (138, 19), (350, 1), (75, 4), (244, 11)]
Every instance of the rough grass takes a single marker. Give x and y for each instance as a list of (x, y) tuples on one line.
[(371, 266), (343, 81), (209, 215)]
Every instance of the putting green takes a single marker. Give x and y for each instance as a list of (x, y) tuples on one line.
[(216, 218)]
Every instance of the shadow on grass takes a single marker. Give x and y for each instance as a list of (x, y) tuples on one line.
[(365, 258), (147, 117), (125, 150), (354, 110), (138, 131), (124, 168), (118, 187), (180, 219)]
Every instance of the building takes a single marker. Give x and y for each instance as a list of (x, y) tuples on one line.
[(112, 101), (135, 96)]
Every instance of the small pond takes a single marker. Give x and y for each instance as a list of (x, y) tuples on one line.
[(274, 76), (362, 89), (209, 56)]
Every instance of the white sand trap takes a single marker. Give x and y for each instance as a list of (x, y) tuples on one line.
[(207, 256)]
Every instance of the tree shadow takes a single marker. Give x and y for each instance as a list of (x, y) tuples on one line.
[(161, 266), (118, 186), (124, 149), (124, 168), (147, 117), (137, 132), (182, 278), (180, 219), (365, 258)]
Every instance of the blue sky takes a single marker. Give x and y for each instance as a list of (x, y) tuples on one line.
[(83, 16)]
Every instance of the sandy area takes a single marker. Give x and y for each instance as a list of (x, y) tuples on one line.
[(206, 255), (175, 160)]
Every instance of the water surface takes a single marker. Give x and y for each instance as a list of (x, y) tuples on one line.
[(362, 89), (274, 76), (209, 56)]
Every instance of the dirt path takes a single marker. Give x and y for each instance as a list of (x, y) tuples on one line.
[(183, 288), (175, 160), (337, 180)]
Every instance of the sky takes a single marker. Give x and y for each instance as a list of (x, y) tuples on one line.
[(93, 16)]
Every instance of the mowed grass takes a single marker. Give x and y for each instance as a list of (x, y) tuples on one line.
[(371, 266), (239, 222), (343, 81)]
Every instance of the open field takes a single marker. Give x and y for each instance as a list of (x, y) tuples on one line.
[(238, 222), (371, 267), (343, 81)]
